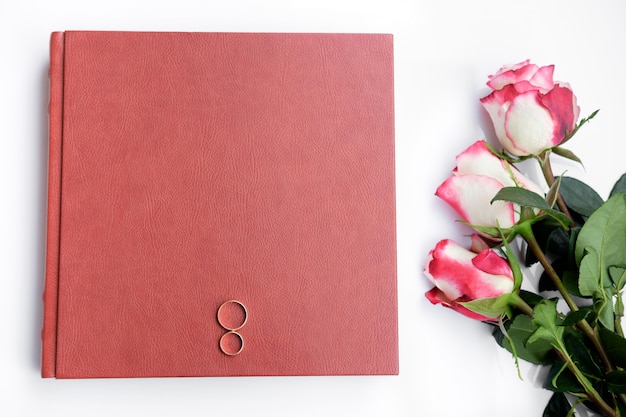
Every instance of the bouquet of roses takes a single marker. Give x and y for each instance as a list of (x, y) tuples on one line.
[(573, 322)]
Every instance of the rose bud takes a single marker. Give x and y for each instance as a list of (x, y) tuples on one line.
[(477, 178), (460, 276), (530, 112)]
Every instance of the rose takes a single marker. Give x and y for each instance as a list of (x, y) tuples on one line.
[(530, 112), (461, 276), (477, 178)]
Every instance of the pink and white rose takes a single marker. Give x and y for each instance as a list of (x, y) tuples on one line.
[(460, 275), (477, 178), (530, 112)]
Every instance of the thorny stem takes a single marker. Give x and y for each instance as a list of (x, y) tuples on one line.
[(592, 394), (527, 234)]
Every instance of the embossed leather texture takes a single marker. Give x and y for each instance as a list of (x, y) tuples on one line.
[(190, 169)]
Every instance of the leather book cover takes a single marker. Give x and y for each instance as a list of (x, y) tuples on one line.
[(220, 204)]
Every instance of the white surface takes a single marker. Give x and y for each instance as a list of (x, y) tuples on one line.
[(444, 50)]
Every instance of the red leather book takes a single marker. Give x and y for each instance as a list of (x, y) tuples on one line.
[(220, 204)]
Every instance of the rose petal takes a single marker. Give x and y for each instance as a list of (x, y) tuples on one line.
[(525, 76), (496, 105), (479, 160), (451, 268), (561, 103), (512, 75), (543, 78), (435, 296), (470, 196), (478, 244), (575, 108), (524, 86), (512, 67), (528, 125), (492, 263)]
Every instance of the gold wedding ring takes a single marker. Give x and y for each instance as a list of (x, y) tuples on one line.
[(222, 319), (224, 346)]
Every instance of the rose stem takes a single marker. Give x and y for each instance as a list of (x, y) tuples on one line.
[(593, 395), (521, 305), (546, 168), (528, 235)]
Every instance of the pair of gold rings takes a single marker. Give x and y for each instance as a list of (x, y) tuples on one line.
[(231, 342)]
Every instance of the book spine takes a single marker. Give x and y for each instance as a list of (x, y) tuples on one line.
[(50, 295)]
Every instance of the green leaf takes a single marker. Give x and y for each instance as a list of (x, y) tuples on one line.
[(590, 284), (558, 242), (553, 240), (559, 217), (518, 276), (605, 234), (589, 279), (579, 196), (545, 282), (530, 298), (615, 347), (545, 319), (577, 316), (620, 186), (522, 197), (617, 381), (581, 355), (525, 198), (571, 252), (604, 309), (493, 307), (519, 330), (560, 379), (553, 192), (489, 231), (541, 230), (566, 153), (570, 280), (618, 276), (558, 406)]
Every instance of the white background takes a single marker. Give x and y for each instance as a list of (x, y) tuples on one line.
[(444, 50)]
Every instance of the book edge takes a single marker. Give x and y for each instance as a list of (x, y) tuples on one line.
[(50, 295)]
